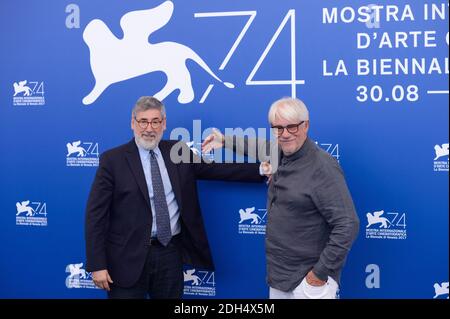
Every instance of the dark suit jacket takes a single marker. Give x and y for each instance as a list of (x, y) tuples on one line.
[(118, 213)]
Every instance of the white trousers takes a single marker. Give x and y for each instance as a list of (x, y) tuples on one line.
[(305, 291)]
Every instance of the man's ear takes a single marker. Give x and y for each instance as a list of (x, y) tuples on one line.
[(306, 126)]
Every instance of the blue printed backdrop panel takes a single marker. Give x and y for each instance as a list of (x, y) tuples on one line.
[(375, 80)]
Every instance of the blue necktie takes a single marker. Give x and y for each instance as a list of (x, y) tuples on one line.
[(164, 233)]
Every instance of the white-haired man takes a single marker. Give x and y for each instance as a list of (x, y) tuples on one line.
[(312, 222)]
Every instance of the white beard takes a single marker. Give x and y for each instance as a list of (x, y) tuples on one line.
[(147, 145)]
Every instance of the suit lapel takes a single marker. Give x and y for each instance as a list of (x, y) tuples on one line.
[(134, 160), (172, 170)]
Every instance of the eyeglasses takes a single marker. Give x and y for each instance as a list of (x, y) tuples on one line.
[(291, 128), (143, 124)]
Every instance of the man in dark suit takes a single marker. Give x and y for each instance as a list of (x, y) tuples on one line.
[(143, 218)]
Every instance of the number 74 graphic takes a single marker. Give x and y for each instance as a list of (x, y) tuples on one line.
[(293, 82)]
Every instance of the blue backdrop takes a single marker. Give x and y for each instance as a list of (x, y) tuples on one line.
[(375, 80)]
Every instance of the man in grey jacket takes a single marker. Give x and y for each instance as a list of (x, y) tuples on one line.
[(312, 222)]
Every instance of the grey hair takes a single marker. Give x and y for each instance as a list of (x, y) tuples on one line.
[(148, 102), (290, 109)]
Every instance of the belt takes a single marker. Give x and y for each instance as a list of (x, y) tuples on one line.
[(155, 242)]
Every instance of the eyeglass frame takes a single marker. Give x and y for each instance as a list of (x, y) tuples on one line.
[(149, 123), (287, 127)]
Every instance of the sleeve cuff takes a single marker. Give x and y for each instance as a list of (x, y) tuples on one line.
[(320, 271), (261, 171)]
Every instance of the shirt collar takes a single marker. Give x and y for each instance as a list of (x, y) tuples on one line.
[(146, 153)]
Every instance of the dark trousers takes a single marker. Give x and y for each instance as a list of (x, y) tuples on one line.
[(161, 278)]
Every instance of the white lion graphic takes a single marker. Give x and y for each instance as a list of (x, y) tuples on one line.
[(75, 148), (441, 150), (248, 214), (114, 60), (20, 87), (441, 289), (189, 276), (23, 207), (376, 218), (75, 269)]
